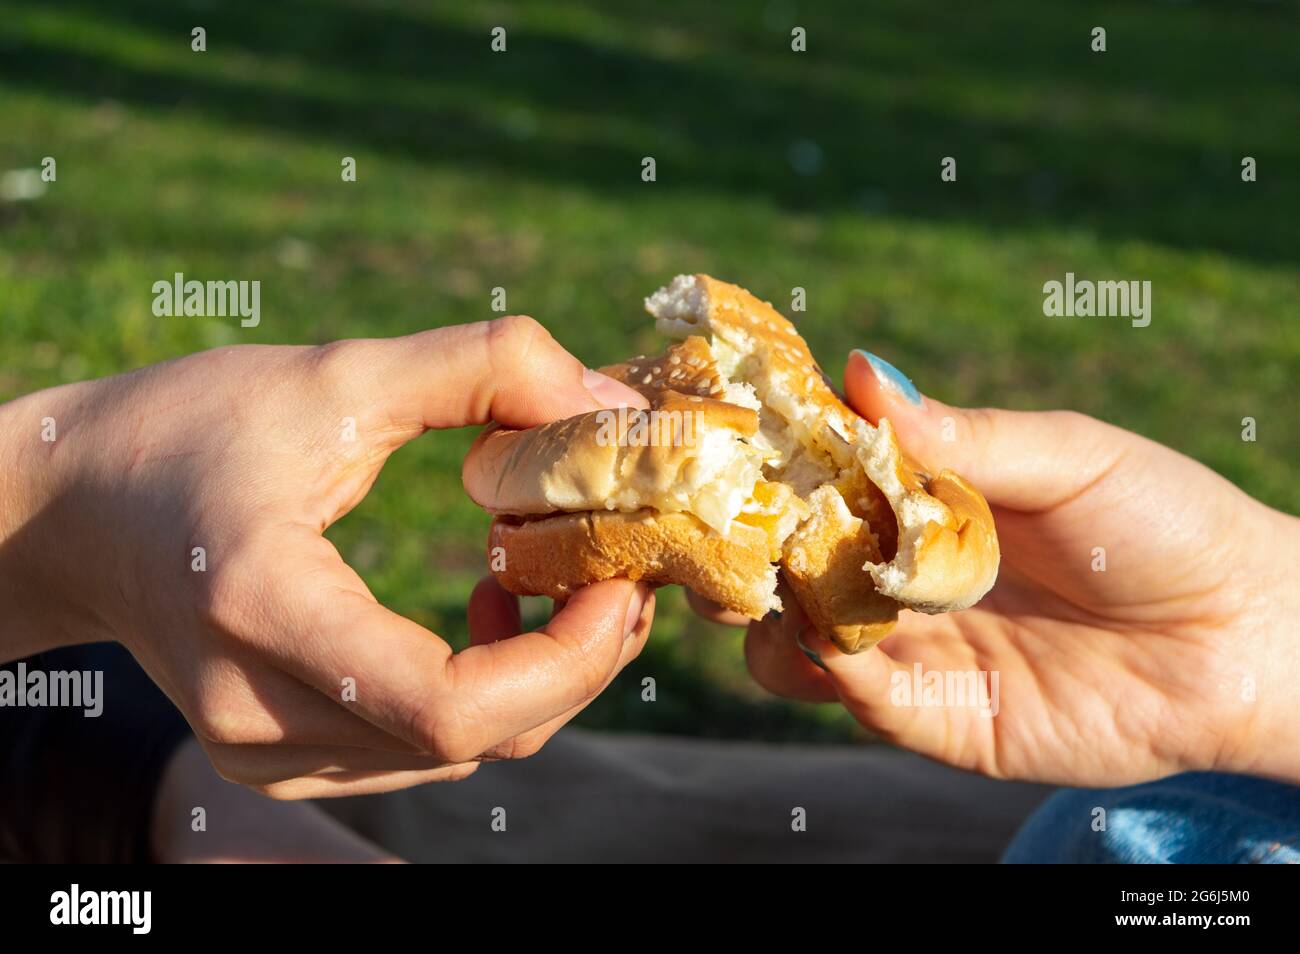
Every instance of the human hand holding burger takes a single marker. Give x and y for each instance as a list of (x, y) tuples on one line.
[(249, 453), (1182, 653)]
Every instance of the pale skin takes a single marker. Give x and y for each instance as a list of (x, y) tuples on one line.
[(1182, 654), (250, 453)]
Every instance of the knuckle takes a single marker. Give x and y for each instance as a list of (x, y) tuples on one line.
[(593, 680), (439, 728), (525, 747), (592, 671), (980, 423), (512, 338), (214, 713), (339, 371), (217, 725), (224, 767), (454, 751), (335, 361), (515, 328)]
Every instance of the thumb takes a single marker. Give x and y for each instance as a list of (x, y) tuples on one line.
[(509, 370), (1021, 460)]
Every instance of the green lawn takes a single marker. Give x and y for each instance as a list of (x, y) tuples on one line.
[(775, 169)]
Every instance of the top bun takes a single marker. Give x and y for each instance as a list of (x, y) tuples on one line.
[(687, 453)]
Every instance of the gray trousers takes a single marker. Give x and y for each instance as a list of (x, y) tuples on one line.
[(618, 798)]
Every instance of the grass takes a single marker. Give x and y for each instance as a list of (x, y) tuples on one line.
[(775, 170)]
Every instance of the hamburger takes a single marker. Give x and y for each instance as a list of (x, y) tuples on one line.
[(745, 468)]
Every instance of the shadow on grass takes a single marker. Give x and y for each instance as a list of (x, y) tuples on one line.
[(1051, 135)]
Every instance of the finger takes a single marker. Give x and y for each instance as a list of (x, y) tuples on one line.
[(408, 682), (332, 635), (1019, 460), (713, 612), (562, 667), (493, 612), (862, 681), (261, 705), (557, 606), (865, 682), (779, 664), (267, 764), (532, 741), (323, 627), (340, 784), (509, 370)]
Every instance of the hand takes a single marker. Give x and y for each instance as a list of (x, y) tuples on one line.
[(1180, 654), (250, 453)]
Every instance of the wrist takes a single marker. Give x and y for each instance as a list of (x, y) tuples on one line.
[(37, 611), (1268, 649)]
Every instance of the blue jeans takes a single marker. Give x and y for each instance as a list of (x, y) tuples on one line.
[(1197, 817)]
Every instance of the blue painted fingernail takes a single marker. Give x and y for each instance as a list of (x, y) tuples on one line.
[(891, 377)]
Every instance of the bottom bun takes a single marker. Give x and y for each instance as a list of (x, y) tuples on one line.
[(555, 556), (823, 566)]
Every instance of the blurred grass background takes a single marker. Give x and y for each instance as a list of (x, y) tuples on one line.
[(775, 169)]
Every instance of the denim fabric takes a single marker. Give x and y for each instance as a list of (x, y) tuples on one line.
[(1200, 817)]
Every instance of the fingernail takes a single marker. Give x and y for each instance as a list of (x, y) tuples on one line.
[(634, 607), (610, 393), (816, 660), (890, 377)]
